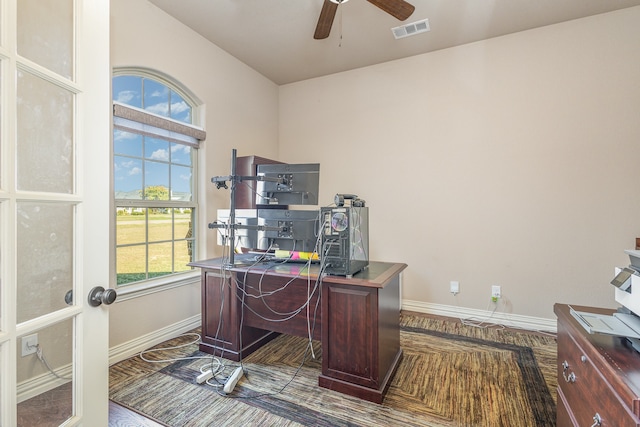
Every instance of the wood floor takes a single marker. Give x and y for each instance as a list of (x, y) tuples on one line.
[(121, 416)]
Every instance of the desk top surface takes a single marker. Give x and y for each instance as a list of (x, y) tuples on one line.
[(376, 274)]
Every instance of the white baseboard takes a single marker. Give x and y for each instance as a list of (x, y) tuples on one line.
[(42, 383), (131, 348), (507, 319)]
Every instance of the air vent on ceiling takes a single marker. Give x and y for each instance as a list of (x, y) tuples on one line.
[(411, 29)]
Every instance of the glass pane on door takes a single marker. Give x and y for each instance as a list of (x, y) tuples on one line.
[(45, 34), (44, 136), (1, 288), (44, 238), (2, 380), (44, 376), (1, 141)]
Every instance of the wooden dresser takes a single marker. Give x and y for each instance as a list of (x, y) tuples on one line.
[(598, 375)]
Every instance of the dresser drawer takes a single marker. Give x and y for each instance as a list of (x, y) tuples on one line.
[(564, 417), (585, 390)]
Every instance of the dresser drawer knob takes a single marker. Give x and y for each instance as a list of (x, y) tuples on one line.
[(571, 377), (597, 420)]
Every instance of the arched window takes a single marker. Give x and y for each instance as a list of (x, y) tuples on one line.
[(155, 168)]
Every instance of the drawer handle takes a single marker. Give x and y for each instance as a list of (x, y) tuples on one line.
[(597, 420), (571, 378)]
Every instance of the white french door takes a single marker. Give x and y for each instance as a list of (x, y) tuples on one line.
[(54, 210)]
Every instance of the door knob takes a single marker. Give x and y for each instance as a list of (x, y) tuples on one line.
[(100, 295), (68, 297)]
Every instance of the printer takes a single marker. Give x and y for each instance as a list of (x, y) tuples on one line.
[(625, 322)]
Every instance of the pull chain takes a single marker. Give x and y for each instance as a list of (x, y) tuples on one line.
[(340, 19)]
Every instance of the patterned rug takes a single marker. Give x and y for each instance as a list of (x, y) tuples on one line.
[(450, 375)]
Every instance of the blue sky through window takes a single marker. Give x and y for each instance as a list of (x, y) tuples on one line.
[(156, 98), (151, 95), (165, 164), (180, 110), (127, 178), (127, 90), (144, 161)]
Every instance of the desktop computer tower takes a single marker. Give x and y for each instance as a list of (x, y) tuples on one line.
[(345, 239)]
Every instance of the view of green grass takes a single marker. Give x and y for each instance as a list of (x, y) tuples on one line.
[(133, 229)]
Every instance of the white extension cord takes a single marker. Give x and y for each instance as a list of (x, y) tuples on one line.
[(233, 380), (204, 376)]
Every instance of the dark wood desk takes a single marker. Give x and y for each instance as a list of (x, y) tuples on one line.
[(598, 375), (356, 320)]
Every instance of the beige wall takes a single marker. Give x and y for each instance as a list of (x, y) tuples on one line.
[(511, 162), (240, 111)]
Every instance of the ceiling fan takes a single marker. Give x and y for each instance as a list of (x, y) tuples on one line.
[(399, 9)]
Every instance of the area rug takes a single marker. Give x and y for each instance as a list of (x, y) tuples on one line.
[(451, 375)]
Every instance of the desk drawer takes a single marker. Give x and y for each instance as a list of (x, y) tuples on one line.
[(586, 391)]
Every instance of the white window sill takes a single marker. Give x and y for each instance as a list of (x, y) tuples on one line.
[(127, 292)]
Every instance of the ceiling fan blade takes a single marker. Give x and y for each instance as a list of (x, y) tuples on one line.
[(399, 9), (325, 21)]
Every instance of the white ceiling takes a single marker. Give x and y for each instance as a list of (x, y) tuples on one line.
[(275, 37)]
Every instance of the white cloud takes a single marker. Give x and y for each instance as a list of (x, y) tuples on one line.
[(131, 166), (126, 96), (161, 109), (158, 93), (160, 154), (179, 107), (120, 135), (176, 148)]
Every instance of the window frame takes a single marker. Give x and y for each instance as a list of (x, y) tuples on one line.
[(137, 120)]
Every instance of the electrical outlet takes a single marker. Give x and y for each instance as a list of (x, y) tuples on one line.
[(29, 344), (454, 287), (495, 292)]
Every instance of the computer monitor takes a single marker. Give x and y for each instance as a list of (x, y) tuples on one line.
[(245, 237), (297, 230), (297, 184)]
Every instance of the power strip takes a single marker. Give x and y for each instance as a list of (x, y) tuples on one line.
[(233, 380), (204, 376)]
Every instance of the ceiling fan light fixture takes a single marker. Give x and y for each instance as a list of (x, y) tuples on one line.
[(338, 1)]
